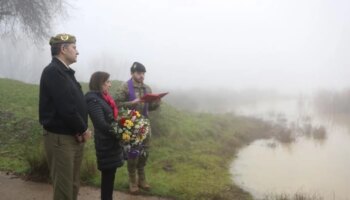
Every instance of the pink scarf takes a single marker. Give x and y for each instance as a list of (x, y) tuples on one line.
[(111, 103)]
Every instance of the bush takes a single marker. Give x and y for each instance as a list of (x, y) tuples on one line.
[(37, 165), (88, 170)]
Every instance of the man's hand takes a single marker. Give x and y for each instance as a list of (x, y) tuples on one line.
[(136, 101), (86, 135), (81, 138)]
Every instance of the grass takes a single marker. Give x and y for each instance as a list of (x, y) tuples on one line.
[(190, 153), (296, 196)]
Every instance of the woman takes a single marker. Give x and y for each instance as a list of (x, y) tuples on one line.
[(103, 111)]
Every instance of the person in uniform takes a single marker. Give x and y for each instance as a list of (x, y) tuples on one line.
[(63, 114), (129, 96)]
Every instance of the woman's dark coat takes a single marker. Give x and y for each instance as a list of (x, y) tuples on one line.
[(109, 152)]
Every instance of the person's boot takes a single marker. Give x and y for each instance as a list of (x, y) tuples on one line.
[(142, 179), (133, 188)]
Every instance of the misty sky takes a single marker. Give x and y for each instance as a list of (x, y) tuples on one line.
[(294, 44)]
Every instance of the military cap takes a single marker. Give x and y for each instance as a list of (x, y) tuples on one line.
[(62, 38), (137, 67)]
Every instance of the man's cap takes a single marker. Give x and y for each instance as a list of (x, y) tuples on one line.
[(137, 67), (62, 38)]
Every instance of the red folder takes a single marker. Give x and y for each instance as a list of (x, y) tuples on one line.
[(153, 97)]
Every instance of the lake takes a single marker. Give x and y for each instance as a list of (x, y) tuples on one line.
[(310, 164)]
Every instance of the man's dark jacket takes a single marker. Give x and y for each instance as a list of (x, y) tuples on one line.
[(62, 106)]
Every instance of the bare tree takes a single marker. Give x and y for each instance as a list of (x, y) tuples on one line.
[(33, 17)]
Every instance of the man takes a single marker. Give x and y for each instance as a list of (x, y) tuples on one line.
[(63, 115), (129, 96)]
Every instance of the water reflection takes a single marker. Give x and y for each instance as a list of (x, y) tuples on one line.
[(309, 154)]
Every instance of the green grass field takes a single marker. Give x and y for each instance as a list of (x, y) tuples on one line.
[(189, 159)]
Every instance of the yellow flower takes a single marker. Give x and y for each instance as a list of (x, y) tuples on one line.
[(137, 114), (128, 124), (140, 137), (126, 137)]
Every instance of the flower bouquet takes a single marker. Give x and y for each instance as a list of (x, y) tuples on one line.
[(132, 129)]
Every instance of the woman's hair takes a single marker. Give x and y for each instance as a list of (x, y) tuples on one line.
[(97, 80)]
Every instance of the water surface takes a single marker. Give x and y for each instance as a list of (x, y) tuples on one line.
[(310, 165)]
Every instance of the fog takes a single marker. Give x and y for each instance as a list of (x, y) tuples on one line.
[(233, 44), (282, 61)]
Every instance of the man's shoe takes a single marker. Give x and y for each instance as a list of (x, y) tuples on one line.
[(133, 188), (144, 185)]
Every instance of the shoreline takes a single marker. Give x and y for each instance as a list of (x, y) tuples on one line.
[(13, 187)]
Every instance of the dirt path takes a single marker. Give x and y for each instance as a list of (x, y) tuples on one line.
[(14, 188)]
